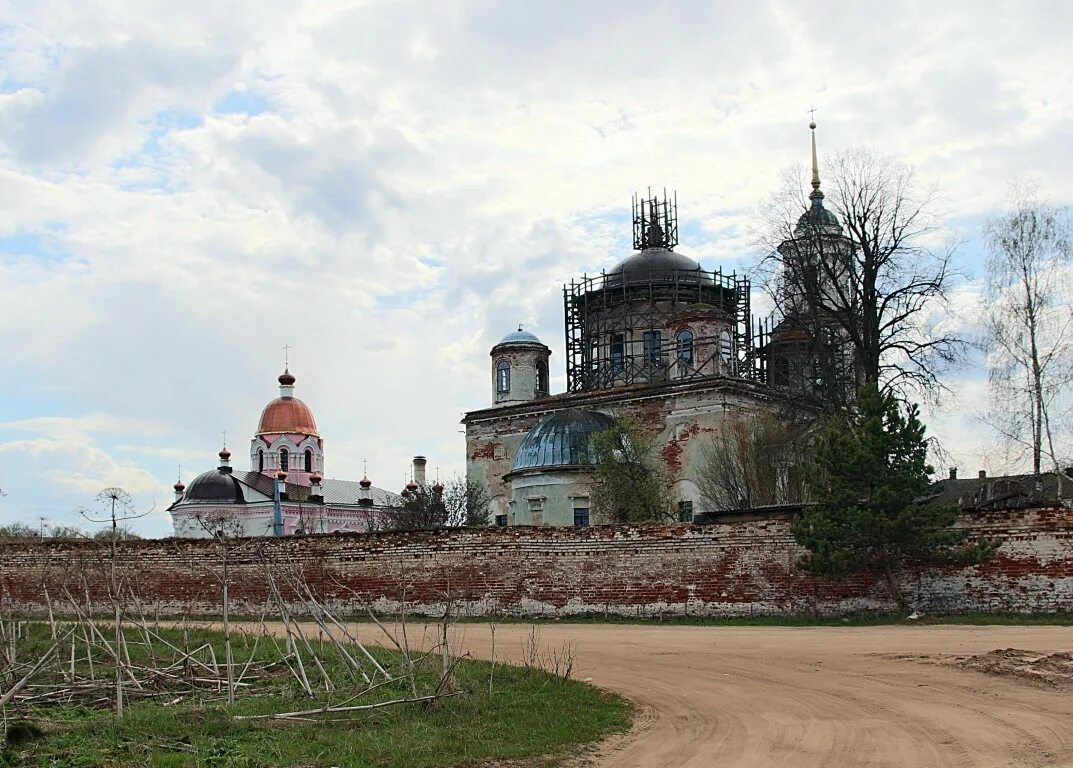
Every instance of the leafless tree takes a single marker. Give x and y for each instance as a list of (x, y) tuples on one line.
[(467, 503), (631, 483), (860, 292), (1029, 325), (754, 462)]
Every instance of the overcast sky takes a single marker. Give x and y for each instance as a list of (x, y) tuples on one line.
[(390, 187)]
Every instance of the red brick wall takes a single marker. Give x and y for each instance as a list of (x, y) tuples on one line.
[(733, 568)]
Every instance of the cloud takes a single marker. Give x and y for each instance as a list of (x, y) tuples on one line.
[(389, 187)]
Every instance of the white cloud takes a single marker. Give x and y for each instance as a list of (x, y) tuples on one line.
[(417, 179)]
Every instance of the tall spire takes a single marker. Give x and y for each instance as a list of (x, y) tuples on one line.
[(816, 194)]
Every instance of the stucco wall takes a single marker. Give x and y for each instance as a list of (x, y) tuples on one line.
[(740, 567), (684, 417)]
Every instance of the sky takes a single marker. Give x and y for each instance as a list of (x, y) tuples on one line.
[(390, 187)]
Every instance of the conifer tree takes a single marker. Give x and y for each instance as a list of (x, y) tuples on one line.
[(870, 480)]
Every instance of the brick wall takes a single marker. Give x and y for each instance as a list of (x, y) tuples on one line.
[(738, 567)]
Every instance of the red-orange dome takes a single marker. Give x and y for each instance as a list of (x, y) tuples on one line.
[(287, 415)]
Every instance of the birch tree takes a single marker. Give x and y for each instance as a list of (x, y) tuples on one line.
[(1029, 324)]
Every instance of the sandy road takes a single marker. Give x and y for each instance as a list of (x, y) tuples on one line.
[(787, 696), (800, 697)]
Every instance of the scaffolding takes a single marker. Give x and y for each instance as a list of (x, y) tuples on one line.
[(613, 324)]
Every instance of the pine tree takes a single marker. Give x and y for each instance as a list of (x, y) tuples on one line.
[(870, 479)]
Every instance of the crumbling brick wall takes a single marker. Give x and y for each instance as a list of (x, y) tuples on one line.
[(739, 567)]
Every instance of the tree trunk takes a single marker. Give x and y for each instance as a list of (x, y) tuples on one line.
[(895, 590)]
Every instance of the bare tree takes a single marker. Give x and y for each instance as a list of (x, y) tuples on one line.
[(467, 503), (755, 461), (856, 286), (1029, 326)]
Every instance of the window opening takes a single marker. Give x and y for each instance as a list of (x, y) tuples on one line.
[(726, 346), (542, 378), (309, 460), (581, 517), (653, 340), (284, 464), (503, 377), (260, 461), (685, 347), (685, 511), (618, 351)]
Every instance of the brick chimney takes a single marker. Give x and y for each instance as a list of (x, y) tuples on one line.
[(983, 474), (953, 473), (419, 469)]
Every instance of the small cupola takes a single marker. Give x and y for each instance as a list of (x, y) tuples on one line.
[(519, 367)]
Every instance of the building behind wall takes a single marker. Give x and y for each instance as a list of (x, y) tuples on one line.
[(668, 343)]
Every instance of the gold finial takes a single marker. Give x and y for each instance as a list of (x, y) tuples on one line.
[(815, 163)]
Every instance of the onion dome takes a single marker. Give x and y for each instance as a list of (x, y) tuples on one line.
[(179, 487), (561, 439), (816, 217), (225, 454), (315, 479), (411, 486), (287, 414), (281, 476), (437, 487), (366, 482), (216, 486)]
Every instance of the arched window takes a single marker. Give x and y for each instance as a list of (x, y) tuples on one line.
[(542, 378), (780, 372), (726, 346), (260, 460), (503, 377), (309, 460), (284, 457), (685, 347)]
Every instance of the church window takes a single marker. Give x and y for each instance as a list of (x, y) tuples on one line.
[(284, 463), (653, 341), (685, 511), (503, 377), (685, 347), (726, 346), (542, 378), (260, 461), (309, 460), (581, 517), (780, 372), (618, 351)]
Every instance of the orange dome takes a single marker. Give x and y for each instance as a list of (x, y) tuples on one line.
[(287, 415)]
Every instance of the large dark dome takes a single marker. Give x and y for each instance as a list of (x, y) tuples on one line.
[(561, 439), (659, 265), (217, 486)]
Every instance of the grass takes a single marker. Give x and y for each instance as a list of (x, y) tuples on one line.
[(529, 713)]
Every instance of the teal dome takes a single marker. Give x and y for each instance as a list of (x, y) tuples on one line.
[(520, 337), (561, 439)]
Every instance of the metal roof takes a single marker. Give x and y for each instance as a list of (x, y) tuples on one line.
[(520, 336), (217, 485), (561, 439)]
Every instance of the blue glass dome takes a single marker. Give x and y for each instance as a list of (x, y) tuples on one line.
[(561, 439), (520, 336)]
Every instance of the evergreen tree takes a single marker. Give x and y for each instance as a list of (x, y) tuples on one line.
[(870, 479)]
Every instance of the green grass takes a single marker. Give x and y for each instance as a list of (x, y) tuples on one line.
[(529, 713)]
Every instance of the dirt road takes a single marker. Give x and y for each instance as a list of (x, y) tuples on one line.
[(831, 697)]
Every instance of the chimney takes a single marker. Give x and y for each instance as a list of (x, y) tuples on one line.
[(953, 473), (419, 469), (983, 474)]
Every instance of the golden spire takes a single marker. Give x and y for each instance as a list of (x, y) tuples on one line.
[(815, 163)]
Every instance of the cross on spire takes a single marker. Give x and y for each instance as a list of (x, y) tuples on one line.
[(287, 357), (225, 438), (812, 116)]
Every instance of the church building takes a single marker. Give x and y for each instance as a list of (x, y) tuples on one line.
[(284, 492), (657, 337)]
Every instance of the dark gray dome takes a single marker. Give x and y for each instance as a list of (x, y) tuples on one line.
[(659, 265), (216, 485), (561, 439), (818, 217)]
